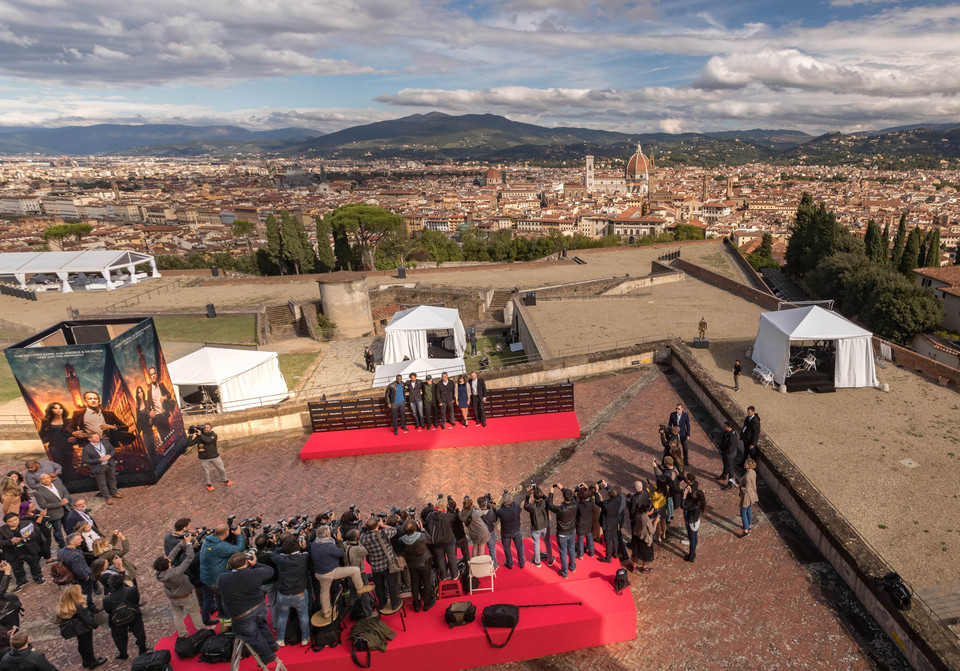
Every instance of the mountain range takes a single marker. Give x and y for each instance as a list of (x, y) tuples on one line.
[(488, 137)]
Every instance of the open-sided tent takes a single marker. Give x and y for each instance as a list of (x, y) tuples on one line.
[(73, 269), (387, 373), (406, 334), (241, 378), (854, 351)]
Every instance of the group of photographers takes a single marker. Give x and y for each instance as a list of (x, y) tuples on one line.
[(296, 562)]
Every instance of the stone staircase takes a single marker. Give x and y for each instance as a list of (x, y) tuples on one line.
[(281, 322), (499, 300)]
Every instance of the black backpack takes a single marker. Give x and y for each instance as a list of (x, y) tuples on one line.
[(155, 660), (330, 635), (186, 647), (218, 649), (123, 614), (621, 580), (292, 634)]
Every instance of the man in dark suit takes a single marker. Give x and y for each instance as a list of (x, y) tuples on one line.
[(750, 434), (80, 514), (93, 418), (446, 392), (98, 454), (160, 404), (478, 396), (681, 420), (52, 496), (729, 446), (414, 389)]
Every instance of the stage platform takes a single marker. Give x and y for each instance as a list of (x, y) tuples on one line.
[(429, 644), (499, 430)]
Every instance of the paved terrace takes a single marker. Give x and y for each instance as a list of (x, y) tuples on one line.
[(761, 603)]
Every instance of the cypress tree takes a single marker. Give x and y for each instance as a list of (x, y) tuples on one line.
[(899, 241), (326, 259), (933, 250), (274, 242), (922, 255), (294, 252), (873, 244), (911, 252), (885, 239)]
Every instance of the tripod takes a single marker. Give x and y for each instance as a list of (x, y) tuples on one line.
[(238, 645)]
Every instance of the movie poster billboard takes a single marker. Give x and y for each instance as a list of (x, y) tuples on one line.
[(101, 375)]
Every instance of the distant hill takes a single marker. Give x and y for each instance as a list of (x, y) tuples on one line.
[(111, 138), (488, 137)]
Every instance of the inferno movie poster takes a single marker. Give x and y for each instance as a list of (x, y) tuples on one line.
[(107, 375)]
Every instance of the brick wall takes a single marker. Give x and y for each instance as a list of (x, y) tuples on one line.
[(922, 364), (469, 303)]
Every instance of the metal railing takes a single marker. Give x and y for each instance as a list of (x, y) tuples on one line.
[(271, 400)]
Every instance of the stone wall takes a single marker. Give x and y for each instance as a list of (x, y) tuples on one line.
[(471, 303), (756, 281), (763, 299)]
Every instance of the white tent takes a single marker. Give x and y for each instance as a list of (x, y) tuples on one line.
[(387, 373), (854, 359), (406, 334), (244, 378), (73, 268)]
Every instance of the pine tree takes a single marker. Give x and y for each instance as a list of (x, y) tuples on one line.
[(326, 259), (274, 242), (899, 241), (911, 252), (933, 250)]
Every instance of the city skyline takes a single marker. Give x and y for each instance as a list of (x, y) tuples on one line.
[(643, 66)]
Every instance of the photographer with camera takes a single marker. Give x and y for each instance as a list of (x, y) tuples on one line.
[(20, 542), (327, 554), (206, 441), (440, 528), (216, 550), (509, 514), (172, 574), (240, 589), (415, 544), (293, 578), (566, 513), (539, 522), (376, 537)]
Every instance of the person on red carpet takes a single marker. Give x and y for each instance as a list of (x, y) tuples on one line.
[(446, 392), (396, 399), (478, 397), (463, 398), (566, 513)]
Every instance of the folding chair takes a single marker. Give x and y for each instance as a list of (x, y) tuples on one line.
[(481, 567)]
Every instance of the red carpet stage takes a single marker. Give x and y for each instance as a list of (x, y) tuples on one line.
[(428, 644), (499, 430)]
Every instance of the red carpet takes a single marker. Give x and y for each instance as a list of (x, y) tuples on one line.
[(428, 644), (500, 430)]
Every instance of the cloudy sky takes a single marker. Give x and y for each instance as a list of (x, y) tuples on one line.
[(630, 65)]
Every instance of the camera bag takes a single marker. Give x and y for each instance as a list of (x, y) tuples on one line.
[(500, 616), (460, 613), (621, 580), (155, 660), (218, 649), (61, 574), (186, 647)]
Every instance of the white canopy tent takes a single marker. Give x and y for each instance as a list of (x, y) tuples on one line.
[(243, 378), (854, 350), (387, 373), (75, 267), (406, 334)]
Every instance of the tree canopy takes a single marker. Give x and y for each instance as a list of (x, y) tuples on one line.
[(369, 224)]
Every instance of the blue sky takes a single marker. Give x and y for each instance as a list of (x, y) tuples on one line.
[(629, 65)]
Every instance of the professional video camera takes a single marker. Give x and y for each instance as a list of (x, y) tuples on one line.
[(195, 428)]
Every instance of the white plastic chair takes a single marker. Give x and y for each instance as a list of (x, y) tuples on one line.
[(481, 567), (766, 377)]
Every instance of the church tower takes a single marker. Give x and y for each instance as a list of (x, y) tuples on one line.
[(589, 181)]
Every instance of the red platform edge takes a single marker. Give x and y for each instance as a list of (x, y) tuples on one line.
[(498, 431), (429, 644)]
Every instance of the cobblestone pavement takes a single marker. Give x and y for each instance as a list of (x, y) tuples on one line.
[(760, 603)]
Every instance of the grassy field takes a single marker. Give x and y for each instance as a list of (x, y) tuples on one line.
[(487, 345), (233, 328), (8, 385), (293, 366)]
